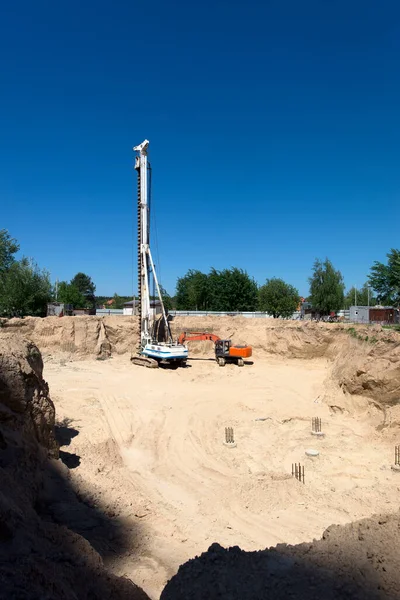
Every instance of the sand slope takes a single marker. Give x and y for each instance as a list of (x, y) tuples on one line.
[(38, 557)]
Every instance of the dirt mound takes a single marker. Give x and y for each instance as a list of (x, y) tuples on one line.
[(359, 561), (39, 558), (370, 369), (104, 336), (25, 405), (77, 337)]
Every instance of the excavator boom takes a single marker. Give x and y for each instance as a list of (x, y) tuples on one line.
[(197, 336)]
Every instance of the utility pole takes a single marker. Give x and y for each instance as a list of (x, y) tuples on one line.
[(355, 295), (368, 294), (56, 290)]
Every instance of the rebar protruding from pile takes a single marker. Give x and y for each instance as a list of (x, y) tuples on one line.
[(316, 425), (397, 455), (229, 435), (298, 471)]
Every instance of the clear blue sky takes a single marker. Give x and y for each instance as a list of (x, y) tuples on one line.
[(274, 129)]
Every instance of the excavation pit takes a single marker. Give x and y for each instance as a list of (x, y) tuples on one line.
[(150, 439)]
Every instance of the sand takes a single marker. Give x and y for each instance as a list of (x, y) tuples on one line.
[(150, 483), (148, 450), (39, 556), (357, 561)]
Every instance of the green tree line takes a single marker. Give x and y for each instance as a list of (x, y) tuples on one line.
[(234, 290), (25, 289), (227, 290)]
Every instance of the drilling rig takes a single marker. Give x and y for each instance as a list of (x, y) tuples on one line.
[(152, 351)]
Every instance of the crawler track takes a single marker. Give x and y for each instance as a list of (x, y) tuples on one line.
[(144, 361)]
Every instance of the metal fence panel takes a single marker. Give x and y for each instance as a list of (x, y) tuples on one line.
[(213, 313)]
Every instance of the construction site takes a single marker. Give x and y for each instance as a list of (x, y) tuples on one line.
[(114, 473), (200, 301), (160, 457)]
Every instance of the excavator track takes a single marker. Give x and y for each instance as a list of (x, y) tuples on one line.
[(144, 361)]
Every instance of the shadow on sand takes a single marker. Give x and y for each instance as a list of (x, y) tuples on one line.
[(40, 514), (319, 571)]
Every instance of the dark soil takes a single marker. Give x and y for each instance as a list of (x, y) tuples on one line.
[(359, 561)]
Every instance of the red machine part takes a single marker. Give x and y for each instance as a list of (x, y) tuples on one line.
[(199, 336)]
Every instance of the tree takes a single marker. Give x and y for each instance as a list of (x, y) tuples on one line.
[(8, 247), (192, 291), (326, 287), (232, 290), (86, 287), (385, 279), (70, 294), (278, 298), (118, 302), (361, 297), (24, 290), (227, 290)]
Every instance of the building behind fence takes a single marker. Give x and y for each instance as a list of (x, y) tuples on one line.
[(359, 314), (381, 315)]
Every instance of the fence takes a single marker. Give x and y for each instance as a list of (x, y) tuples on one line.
[(109, 311), (297, 316), (213, 313), (343, 315)]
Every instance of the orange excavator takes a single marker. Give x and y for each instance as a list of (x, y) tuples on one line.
[(224, 350)]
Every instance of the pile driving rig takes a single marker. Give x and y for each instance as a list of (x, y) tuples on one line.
[(151, 351)]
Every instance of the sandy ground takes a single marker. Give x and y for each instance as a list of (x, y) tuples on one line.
[(151, 455)]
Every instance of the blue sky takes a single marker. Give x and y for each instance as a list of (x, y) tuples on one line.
[(274, 133)]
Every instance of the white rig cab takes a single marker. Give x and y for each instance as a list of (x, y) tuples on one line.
[(151, 352)]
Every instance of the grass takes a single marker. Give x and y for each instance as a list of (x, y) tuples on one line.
[(392, 327), (353, 332), (373, 339)]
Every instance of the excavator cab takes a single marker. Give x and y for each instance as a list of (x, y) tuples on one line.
[(222, 347)]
